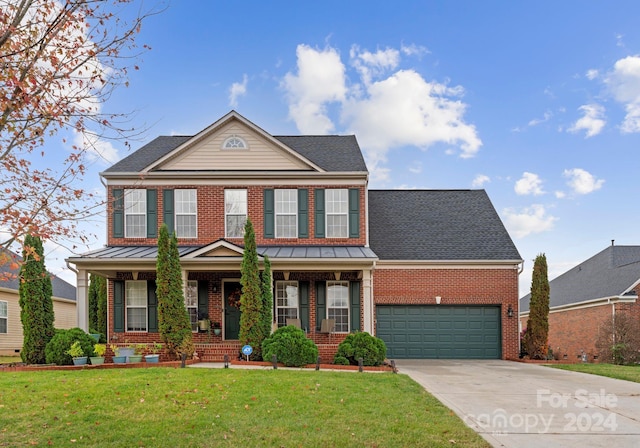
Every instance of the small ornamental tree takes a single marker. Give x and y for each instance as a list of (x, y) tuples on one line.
[(173, 321), (251, 330), (267, 298), (36, 305), (536, 337)]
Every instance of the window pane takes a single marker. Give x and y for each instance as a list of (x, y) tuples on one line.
[(341, 317), (286, 226), (3, 317), (286, 301), (135, 213), (337, 204), (235, 226), (136, 319), (3, 309), (337, 226), (338, 304), (235, 206), (337, 201), (191, 294), (186, 226), (136, 293), (193, 318), (185, 201)]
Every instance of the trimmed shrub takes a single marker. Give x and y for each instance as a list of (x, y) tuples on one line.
[(358, 345), (56, 350), (291, 346)]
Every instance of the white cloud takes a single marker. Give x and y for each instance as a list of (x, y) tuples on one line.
[(591, 122), (480, 180), (592, 74), (320, 80), (546, 117), (624, 83), (414, 50), (236, 90), (95, 147), (529, 183), (560, 194), (371, 65), (528, 221), (416, 167), (581, 181)]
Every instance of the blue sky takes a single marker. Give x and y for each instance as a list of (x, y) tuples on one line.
[(538, 103)]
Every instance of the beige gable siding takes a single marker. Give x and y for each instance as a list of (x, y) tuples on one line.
[(65, 317), (209, 155)]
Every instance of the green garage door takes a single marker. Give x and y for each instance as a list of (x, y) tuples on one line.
[(437, 331)]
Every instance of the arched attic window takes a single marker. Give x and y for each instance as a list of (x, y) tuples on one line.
[(235, 142)]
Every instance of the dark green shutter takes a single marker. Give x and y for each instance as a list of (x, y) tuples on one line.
[(303, 213), (354, 213), (118, 306), (354, 302), (321, 311), (319, 213), (303, 294), (168, 210), (152, 307), (152, 213), (269, 213), (203, 298), (118, 213)]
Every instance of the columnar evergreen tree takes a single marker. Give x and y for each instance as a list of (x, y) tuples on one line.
[(251, 332), (93, 302), (536, 338), (36, 305), (98, 294), (267, 299), (173, 321)]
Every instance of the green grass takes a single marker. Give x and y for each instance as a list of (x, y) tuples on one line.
[(629, 373), (223, 407)]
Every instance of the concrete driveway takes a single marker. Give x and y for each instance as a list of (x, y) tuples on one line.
[(520, 405)]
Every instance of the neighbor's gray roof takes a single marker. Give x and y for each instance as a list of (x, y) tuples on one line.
[(610, 273), (439, 225), (333, 153), (61, 288)]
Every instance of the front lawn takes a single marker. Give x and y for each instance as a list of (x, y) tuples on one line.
[(629, 373), (223, 407)]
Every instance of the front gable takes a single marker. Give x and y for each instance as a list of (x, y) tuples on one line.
[(207, 151), (218, 249)]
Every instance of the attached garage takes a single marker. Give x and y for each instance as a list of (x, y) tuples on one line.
[(437, 331)]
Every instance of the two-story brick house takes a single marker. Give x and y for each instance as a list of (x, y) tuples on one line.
[(434, 273)]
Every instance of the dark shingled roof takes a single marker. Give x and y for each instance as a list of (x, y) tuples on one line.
[(437, 225), (609, 273), (333, 153), (61, 288)]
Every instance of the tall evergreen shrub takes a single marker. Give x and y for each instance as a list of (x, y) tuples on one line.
[(251, 328), (537, 335)]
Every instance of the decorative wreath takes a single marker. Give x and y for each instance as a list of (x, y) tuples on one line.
[(234, 298)]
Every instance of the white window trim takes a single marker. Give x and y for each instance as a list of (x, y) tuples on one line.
[(127, 306), (297, 307), (228, 140), (127, 192), (191, 286), (295, 212), (246, 194), (175, 218), (347, 307), (345, 213), (6, 316)]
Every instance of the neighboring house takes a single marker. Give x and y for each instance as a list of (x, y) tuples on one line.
[(64, 307), (433, 273), (588, 296)]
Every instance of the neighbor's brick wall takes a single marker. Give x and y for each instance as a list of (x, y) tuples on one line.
[(211, 217), (455, 287)]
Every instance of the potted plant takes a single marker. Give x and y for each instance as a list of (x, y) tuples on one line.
[(203, 321), (138, 350), (154, 356), (76, 352), (118, 358), (127, 351), (217, 329), (100, 350)]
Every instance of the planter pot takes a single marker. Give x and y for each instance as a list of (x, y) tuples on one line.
[(134, 358), (126, 352), (152, 358), (203, 325), (95, 336), (80, 361), (119, 359), (96, 360), (217, 331)]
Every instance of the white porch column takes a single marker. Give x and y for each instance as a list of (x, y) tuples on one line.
[(367, 297), (82, 299)]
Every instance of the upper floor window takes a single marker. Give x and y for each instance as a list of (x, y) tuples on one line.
[(4, 317), (186, 206), (136, 304), (235, 212), (286, 213), (191, 303), (234, 142), (338, 305), (337, 215), (286, 301), (135, 213)]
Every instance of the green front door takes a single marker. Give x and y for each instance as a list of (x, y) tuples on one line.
[(232, 310)]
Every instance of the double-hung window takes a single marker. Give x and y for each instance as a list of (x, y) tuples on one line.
[(136, 302), (135, 213), (286, 211), (4, 317), (337, 206), (186, 206), (338, 305), (286, 301), (191, 303), (235, 212)]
